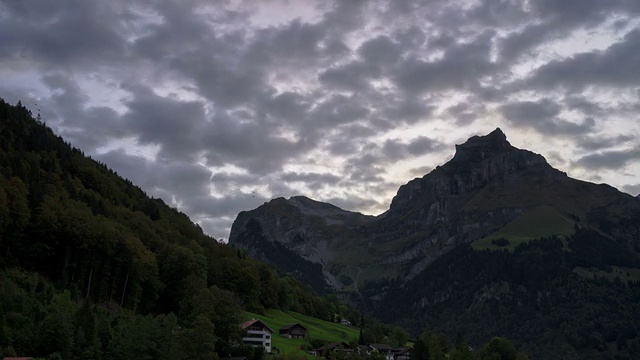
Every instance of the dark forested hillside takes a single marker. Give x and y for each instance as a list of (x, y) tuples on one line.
[(575, 299), (91, 267)]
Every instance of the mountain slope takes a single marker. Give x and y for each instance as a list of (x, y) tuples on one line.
[(494, 242), (485, 186), (91, 267)]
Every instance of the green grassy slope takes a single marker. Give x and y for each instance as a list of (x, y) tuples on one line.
[(538, 222), (624, 273), (316, 329)]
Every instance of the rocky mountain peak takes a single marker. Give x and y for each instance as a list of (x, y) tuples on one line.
[(478, 148)]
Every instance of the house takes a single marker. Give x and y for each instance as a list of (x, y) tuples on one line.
[(364, 350), (257, 334), (334, 346), (293, 331), (345, 322), (383, 349), (402, 353)]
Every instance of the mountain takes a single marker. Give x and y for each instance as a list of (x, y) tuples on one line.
[(93, 268), (489, 188), (495, 241)]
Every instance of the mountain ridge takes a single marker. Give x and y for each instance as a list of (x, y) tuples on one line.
[(487, 184), (494, 241)]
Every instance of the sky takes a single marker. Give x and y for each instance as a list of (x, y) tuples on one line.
[(219, 106)]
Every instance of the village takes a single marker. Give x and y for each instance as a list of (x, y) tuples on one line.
[(259, 334)]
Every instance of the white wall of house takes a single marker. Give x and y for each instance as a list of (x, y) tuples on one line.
[(258, 338)]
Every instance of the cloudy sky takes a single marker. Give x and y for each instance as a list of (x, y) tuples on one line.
[(219, 106)]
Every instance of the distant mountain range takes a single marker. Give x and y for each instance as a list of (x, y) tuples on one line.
[(490, 202)]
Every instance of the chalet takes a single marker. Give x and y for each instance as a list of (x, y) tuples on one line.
[(402, 353), (384, 349), (293, 331), (364, 350), (331, 347), (257, 334)]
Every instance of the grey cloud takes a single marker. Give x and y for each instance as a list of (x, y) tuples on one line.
[(615, 66), (349, 138), (219, 227), (633, 189), (338, 109), (420, 171), (464, 113), (517, 43), (582, 104), (62, 32), (288, 106), (380, 50), (460, 68), (542, 116), (170, 123), (260, 98), (353, 202), (248, 144), (185, 180), (396, 150), (578, 11), (86, 127), (309, 177), (603, 142), (353, 76), (613, 160), (408, 109), (225, 206), (530, 111)]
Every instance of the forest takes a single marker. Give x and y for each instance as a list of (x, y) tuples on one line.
[(93, 268), (574, 298)]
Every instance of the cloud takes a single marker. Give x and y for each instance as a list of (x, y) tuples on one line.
[(247, 102), (460, 67), (543, 116), (633, 189), (613, 159), (397, 150), (603, 142), (79, 33), (353, 76), (615, 66)]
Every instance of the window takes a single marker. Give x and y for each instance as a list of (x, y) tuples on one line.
[(267, 337)]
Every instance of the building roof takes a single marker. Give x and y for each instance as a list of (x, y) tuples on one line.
[(258, 322), (290, 326), (381, 347), (403, 349), (334, 345)]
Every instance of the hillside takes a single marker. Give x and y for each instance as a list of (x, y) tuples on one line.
[(489, 188), (495, 241), (91, 267), (320, 331)]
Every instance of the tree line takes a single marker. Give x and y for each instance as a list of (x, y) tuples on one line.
[(89, 262)]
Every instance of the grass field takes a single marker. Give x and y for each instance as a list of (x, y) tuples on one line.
[(316, 329), (538, 222), (624, 273)]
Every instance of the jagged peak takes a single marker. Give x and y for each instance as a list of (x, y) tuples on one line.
[(307, 204), (478, 148)]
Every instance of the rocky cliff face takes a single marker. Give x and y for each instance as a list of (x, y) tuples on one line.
[(486, 185)]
